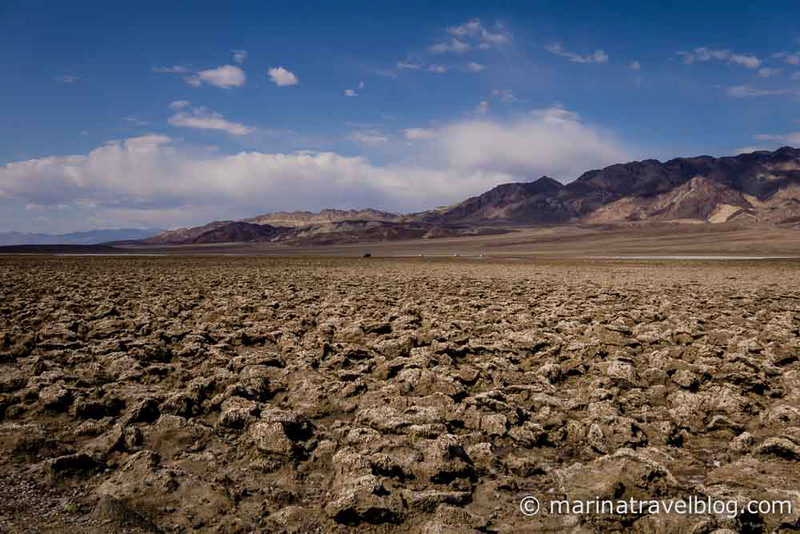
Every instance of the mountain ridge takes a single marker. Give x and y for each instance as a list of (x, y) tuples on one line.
[(89, 237), (761, 187)]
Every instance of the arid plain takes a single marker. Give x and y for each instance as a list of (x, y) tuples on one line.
[(308, 394)]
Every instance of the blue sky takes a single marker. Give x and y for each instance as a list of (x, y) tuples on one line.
[(166, 114)]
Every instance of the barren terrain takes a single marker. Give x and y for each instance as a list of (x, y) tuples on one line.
[(557, 241), (245, 394)]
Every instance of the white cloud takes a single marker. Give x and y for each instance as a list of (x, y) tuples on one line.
[(368, 137), (175, 69), (361, 84), (67, 78), (224, 76), (482, 108), (239, 56), (504, 95), (415, 134), (133, 119), (635, 65), (437, 69), (179, 104), (387, 73), (472, 27), (453, 45), (704, 54), (751, 62), (598, 56), (154, 180), (793, 59), (405, 65), (350, 92), (747, 91), (792, 138), (282, 77), (475, 32), (765, 72), (551, 141), (475, 67), (489, 39), (151, 179), (203, 119), (748, 149)]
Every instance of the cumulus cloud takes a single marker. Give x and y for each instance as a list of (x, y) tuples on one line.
[(203, 119), (433, 67), (551, 141), (175, 69), (704, 54), (350, 92), (159, 181), (475, 32), (150, 179), (416, 134), (792, 138), (766, 72), (598, 56), (133, 119), (406, 65), (748, 149), (453, 45), (368, 137), (179, 104), (226, 77), (504, 95), (239, 56), (475, 67), (748, 91), (282, 77), (482, 108)]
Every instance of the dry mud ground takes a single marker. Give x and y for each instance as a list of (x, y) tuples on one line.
[(319, 395)]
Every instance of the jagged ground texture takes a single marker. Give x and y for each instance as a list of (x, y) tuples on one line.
[(319, 395)]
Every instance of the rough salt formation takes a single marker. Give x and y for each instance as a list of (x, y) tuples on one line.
[(305, 395)]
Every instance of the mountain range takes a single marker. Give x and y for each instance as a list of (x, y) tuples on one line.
[(756, 188), (91, 237)]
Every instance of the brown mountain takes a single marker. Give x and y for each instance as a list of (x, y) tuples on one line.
[(721, 181), (758, 188), (529, 202), (217, 232), (295, 219)]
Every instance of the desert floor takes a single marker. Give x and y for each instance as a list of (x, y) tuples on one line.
[(568, 241), (241, 394)]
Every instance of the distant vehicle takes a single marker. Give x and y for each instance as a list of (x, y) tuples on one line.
[(367, 255)]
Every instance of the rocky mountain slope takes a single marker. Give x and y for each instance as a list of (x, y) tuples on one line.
[(757, 188), (702, 189), (295, 219)]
